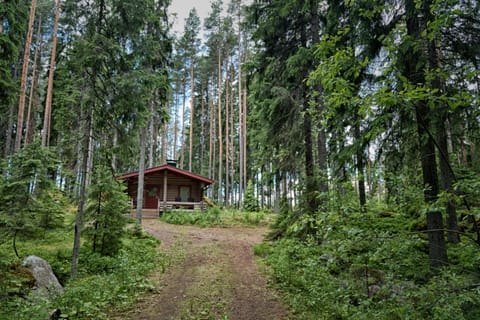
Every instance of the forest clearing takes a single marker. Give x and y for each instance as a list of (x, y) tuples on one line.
[(346, 132)]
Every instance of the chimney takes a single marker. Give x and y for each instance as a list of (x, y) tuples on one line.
[(172, 163)]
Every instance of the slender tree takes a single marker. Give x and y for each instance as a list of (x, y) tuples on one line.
[(23, 82), (30, 125), (48, 103)]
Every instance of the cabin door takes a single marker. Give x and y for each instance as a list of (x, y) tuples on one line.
[(151, 199)]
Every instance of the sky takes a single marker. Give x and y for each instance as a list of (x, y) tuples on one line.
[(182, 8)]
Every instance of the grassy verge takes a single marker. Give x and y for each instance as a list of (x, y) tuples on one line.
[(104, 283), (217, 217)]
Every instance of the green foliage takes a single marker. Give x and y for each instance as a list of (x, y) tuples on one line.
[(370, 266), (29, 199), (13, 18), (204, 219), (216, 217), (104, 283), (106, 212), (250, 203)]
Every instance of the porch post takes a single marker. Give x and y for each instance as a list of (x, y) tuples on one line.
[(164, 190)]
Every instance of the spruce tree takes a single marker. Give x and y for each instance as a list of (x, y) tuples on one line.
[(106, 212)]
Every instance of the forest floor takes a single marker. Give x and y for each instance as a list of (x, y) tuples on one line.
[(212, 275)]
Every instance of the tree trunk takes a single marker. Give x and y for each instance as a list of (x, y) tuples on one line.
[(192, 110), (164, 130), (33, 96), (114, 154), (175, 124), (310, 184), (447, 184), (141, 172), (227, 138), (23, 81), (202, 131), (151, 141), (8, 133), (244, 124), (360, 165), (220, 136), (437, 254), (48, 102), (82, 194), (232, 145), (241, 144), (240, 114), (322, 137), (210, 142), (444, 160), (426, 144), (182, 139)]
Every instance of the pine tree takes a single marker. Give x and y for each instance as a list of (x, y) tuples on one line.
[(48, 103), (23, 82)]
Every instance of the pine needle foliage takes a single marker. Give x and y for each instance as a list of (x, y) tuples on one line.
[(106, 213), (29, 199), (250, 203)]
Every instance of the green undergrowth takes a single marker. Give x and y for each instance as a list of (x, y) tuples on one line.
[(104, 283), (217, 217), (353, 265)]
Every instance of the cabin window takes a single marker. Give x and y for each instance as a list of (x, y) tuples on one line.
[(184, 193)]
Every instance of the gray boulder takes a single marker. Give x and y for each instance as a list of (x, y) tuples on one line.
[(46, 283)]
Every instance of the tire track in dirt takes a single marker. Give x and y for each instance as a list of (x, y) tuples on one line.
[(213, 275)]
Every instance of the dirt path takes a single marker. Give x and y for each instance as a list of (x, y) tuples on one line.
[(213, 275)]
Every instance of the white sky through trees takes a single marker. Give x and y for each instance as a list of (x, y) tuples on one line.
[(182, 8)]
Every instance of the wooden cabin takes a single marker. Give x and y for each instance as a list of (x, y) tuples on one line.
[(167, 187)]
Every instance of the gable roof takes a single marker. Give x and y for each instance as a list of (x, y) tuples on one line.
[(167, 168)]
